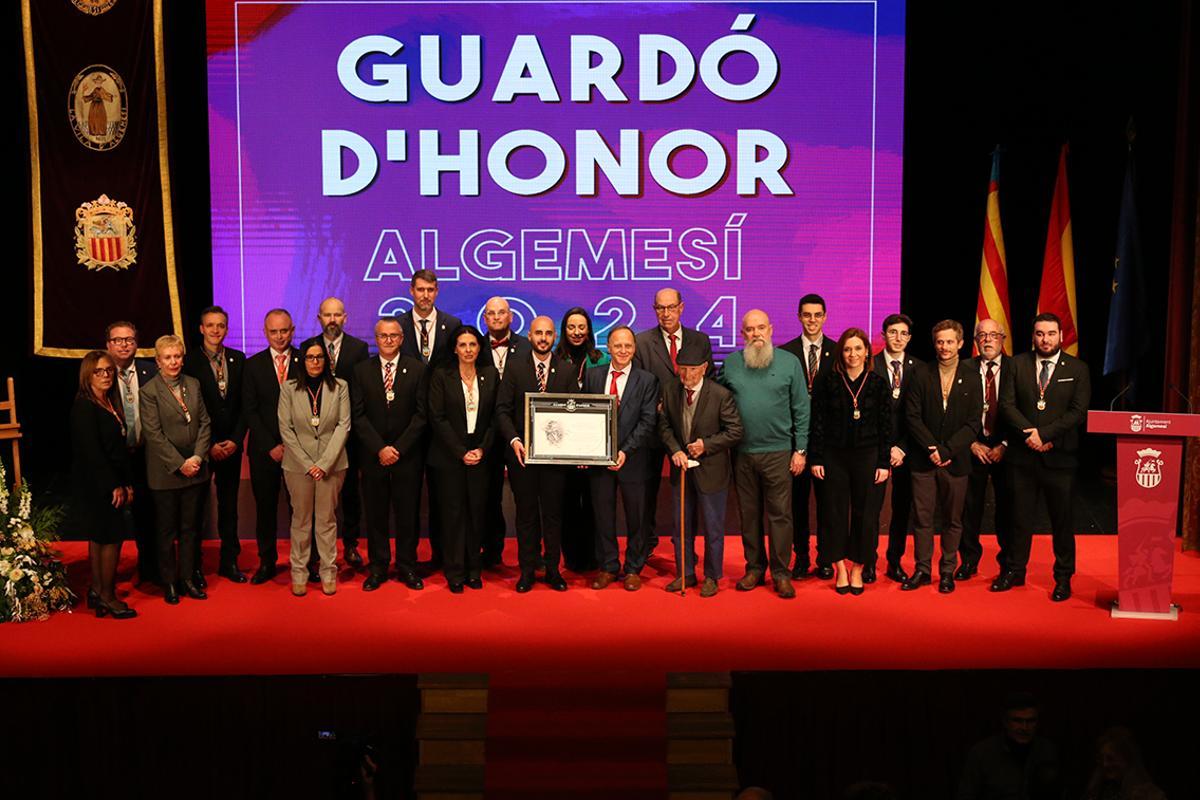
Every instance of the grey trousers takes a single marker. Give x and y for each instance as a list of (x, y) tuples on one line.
[(931, 489), (764, 483), (314, 514)]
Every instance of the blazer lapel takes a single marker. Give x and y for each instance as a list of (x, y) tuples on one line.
[(702, 400)]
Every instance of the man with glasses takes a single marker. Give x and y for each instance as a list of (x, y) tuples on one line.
[(898, 368), (987, 457), (657, 351), (815, 351), (120, 341)]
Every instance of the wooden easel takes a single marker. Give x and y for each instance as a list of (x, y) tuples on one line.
[(11, 431)]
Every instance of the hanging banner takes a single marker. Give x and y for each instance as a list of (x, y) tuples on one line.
[(101, 202)]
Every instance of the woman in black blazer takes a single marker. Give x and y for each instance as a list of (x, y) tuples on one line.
[(462, 398), (849, 448), (101, 480)]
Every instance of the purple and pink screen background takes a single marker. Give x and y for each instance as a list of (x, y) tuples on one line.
[(277, 242)]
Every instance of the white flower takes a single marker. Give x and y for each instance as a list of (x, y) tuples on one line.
[(4, 567)]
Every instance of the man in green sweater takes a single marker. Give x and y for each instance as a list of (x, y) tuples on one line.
[(772, 398)]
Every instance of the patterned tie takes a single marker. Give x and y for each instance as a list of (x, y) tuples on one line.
[(425, 339), (812, 362), (896, 374), (333, 357), (612, 387), (131, 434), (989, 416), (1044, 376), (541, 376), (691, 395), (281, 367), (674, 354), (388, 377)]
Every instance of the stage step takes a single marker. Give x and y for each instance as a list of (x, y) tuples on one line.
[(451, 736), (700, 733)]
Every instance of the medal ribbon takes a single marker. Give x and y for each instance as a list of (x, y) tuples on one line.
[(854, 395)]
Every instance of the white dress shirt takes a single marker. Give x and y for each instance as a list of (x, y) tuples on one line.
[(468, 395), (432, 328)]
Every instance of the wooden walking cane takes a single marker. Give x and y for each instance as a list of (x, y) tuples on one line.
[(679, 560)]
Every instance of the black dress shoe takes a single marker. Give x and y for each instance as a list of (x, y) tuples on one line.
[(456, 588), (917, 580), (824, 573), (412, 580), (199, 580), (1006, 581), (856, 590), (264, 573), (474, 583), (93, 599), (1062, 590), (171, 594), (352, 557), (373, 582), (896, 572), (869, 573), (314, 575), (525, 584), (965, 572), (800, 571), (842, 589), (556, 582), (230, 572), (193, 591), (946, 584), (118, 610)]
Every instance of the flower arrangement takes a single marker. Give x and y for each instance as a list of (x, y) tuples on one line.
[(33, 582)]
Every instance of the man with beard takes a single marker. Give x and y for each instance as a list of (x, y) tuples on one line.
[(987, 456), (1044, 399), (772, 399), (505, 349), (345, 352), (537, 488)]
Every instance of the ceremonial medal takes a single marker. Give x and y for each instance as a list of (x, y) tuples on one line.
[(187, 415), (390, 395), (854, 395), (425, 352), (1041, 405), (986, 406), (221, 386), (896, 393), (314, 421), (857, 414)]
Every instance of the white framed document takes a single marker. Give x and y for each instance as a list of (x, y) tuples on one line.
[(571, 429)]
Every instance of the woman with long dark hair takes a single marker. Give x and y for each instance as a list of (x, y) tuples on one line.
[(462, 398), (314, 422), (577, 343), (101, 480), (849, 447)]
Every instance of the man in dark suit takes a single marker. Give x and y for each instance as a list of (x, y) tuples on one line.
[(427, 331), (987, 456), (219, 370), (898, 368), (389, 421), (942, 412), (120, 341), (505, 348), (657, 351), (699, 425), (637, 420), (537, 488), (815, 351), (265, 371), (345, 353), (1044, 400)]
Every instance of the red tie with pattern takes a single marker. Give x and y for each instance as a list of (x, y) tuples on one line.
[(989, 416), (674, 355), (388, 377), (612, 387), (691, 394), (281, 367)]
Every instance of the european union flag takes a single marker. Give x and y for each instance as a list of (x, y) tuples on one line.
[(1127, 315)]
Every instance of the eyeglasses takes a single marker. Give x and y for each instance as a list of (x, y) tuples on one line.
[(100, 372), (123, 340), (495, 314), (661, 309), (987, 337), (388, 337), (314, 359)]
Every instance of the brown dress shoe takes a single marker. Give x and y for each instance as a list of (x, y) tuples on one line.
[(603, 580), (753, 578), (708, 588), (679, 583), (783, 587), (299, 589), (632, 583)]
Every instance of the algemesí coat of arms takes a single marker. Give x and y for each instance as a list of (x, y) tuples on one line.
[(98, 107), (94, 7), (1149, 468), (105, 235)]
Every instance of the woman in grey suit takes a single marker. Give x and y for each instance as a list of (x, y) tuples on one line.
[(176, 429), (314, 423)]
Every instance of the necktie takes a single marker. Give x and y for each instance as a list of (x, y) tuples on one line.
[(1044, 375), (896, 374), (333, 357), (280, 367), (127, 378), (425, 339), (812, 361), (218, 363), (691, 395), (498, 343), (388, 377), (989, 416), (612, 387), (541, 376), (674, 355)]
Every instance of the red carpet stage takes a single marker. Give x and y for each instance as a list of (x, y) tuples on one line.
[(264, 630)]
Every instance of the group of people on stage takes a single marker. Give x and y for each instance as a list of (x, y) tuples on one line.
[(441, 406)]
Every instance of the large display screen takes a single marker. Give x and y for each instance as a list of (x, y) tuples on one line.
[(557, 154)]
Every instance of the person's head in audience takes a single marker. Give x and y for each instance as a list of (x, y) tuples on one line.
[(1119, 770), (1020, 718)]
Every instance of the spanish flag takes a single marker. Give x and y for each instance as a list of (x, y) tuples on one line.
[(993, 271), (1058, 265)]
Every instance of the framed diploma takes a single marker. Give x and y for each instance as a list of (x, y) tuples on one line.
[(571, 429)]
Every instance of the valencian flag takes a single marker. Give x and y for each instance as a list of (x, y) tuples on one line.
[(1057, 294), (993, 271), (102, 231), (1126, 330)]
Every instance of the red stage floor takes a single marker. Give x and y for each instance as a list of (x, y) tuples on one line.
[(264, 630)]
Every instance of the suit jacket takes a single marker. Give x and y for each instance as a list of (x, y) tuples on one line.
[(637, 418), (1067, 398), (799, 348), (1001, 433), (448, 414), (353, 351), (716, 422), (172, 438), (652, 353), (951, 430), (443, 348), (518, 348), (376, 422), (833, 424), (912, 367), (520, 379), (224, 413), (260, 400), (324, 447)]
